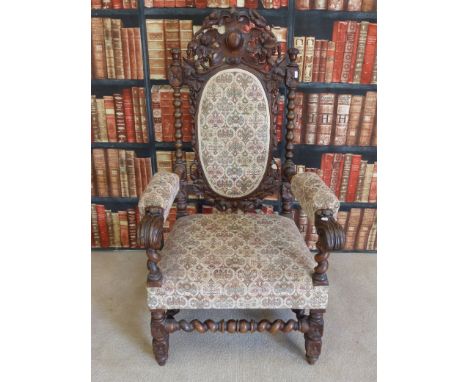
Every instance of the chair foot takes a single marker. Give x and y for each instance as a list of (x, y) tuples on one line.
[(313, 338), (160, 336)]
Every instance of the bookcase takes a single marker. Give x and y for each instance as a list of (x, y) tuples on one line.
[(318, 23)]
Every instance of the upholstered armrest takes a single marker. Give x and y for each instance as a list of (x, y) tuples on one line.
[(313, 195), (160, 192)]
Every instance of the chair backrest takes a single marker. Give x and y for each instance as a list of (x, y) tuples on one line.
[(234, 69)]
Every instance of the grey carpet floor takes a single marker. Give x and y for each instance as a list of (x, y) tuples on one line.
[(121, 340)]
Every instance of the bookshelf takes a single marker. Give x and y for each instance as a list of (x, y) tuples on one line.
[(309, 22)]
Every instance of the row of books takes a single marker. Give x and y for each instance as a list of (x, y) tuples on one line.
[(114, 4), (119, 173), (360, 225), (120, 117), (350, 177), (251, 4), (338, 5), (336, 119), (349, 58), (116, 52)]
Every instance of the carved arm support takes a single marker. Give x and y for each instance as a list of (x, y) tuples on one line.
[(154, 206), (319, 201)]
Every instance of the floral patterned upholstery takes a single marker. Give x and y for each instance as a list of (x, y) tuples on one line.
[(236, 261), (313, 194), (160, 192), (233, 127)]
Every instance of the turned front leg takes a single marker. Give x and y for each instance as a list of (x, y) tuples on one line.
[(313, 337), (160, 336)]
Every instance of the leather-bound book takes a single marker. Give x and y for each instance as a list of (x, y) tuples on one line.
[(179, 3), (339, 37), (156, 49), (335, 5), (316, 62), (169, 3), (308, 59), (128, 114), (110, 118), (355, 111), (354, 54), (354, 220), (337, 172), (101, 119), (167, 113), (201, 3), (110, 227), (297, 131), (143, 121), (94, 227), (108, 46), (373, 186), (356, 68), (348, 50), (102, 226), (284, 3), (113, 172), (120, 118), (134, 4), (127, 4), (143, 174), (172, 39), (138, 176), (149, 170), (368, 5), (138, 53), (156, 106), (240, 3), (96, 4), (326, 167), (131, 177), (367, 182), (212, 3), (325, 118), (374, 132), (116, 229), (117, 4), (164, 161), (281, 34), (94, 120), (124, 186), (311, 117), (369, 54), (374, 71), (123, 220), (323, 60), (320, 4), (98, 48), (330, 61), (366, 224), (126, 53), (345, 177), (354, 5), (132, 51), (342, 119), (223, 3), (186, 34), (132, 227), (360, 185), (353, 178), (302, 223), (116, 25), (252, 4), (136, 114), (302, 5), (368, 117), (372, 239), (280, 118), (106, 4), (299, 44), (342, 218), (187, 120)]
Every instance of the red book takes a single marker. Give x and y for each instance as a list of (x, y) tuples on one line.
[(326, 167), (339, 37), (201, 3), (179, 3), (337, 170), (128, 113), (369, 54), (143, 174), (132, 51), (102, 226), (158, 3), (348, 50), (373, 186), (252, 4), (276, 4), (169, 3), (117, 4), (126, 53), (123, 220), (339, 176), (354, 55), (110, 118), (353, 178)]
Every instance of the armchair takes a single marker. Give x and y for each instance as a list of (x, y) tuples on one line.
[(236, 259)]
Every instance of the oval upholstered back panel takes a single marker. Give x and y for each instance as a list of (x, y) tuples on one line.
[(233, 132)]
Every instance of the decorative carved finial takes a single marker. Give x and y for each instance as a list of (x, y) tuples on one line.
[(234, 40), (293, 52)]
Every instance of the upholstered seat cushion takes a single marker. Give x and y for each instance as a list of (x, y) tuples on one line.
[(236, 261)]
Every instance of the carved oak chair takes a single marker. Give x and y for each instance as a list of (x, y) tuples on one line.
[(236, 259)]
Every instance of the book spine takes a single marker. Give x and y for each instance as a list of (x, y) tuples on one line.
[(299, 44), (373, 186), (124, 189), (310, 136), (342, 119), (297, 131), (367, 182), (186, 35), (354, 119), (98, 48), (127, 4), (157, 117), (143, 121), (201, 3), (360, 185), (101, 221), (132, 228), (339, 37), (167, 113), (126, 53), (352, 65), (108, 46), (128, 114), (369, 54), (156, 49), (330, 61), (136, 114), (308, 59), (148, 169), (123, 220), (323, 60), (374, 71), (320, 4), (368, 5), (101, 118), (96, 4), (352, 227), (279, 119), (354, 5), (345, 177), (106, 4), (353, 178), (316, 62), (366, 223), (138, 53), (120, 118), (132, 51), (368, 117), (348, 50), (281, 37), (372, 239), (172, 39), (94, 120), (116, 25), (117, 4), (335, 5), (337, 171), (116, 229), (357, 70), (302, 5), (325, 118), (95, 227), (134, 4), (342, 218), (114, 172), (138, 183), (110, 227), (110, 118), (326, 167), (252, 4)]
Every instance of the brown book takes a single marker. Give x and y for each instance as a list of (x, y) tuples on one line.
[(335, 5), (325, 118), (299, 44), (123, 220), (166, 94), (100, 172), (342, 218), (113, 172), (149, 170), (311, 117), (132, 227), (120, 118), (342, 119), (132, 51), (138, 176), (361, 46), (316, 61), (108, 46), (368, 117), (110, 227), (337, 171), (164, 161), (374, 132), (308, 59), (330, 61), (297, 131), (186, 35), (348, 50), (360, 184), (345, 177), (94, 120), (143, 121), (172, 39), (124, 186), (126, 53), (110, 118), (368, 5), (354, 5), (131, 177), (116, 25), (156, 48), (373, 186), (157, 116), (138, 53), (96, 4), (367, 182), (354, 119), (136, 114), (352, 227), (372, 239), (143, 175), (281, 34), (95, 227), (98, 48), (323, 60), (364, 229), (302, 5), (116, 229), (101, 119)]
